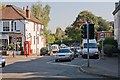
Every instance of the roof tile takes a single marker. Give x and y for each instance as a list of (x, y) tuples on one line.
[(11, 12)]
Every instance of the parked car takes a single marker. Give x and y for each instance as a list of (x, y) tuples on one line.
[(64, 54), (3, 50), (93, 49), (44, 51), (79, 51), (2, 61), (73, 49), (63, 46), (55, 48)]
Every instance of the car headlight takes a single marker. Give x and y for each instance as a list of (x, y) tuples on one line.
[(96, 52), (85, 53)]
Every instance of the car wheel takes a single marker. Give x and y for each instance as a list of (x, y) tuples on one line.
[(96, 57), (76, 55), (40, 54), (56, 60), (3, 64), (70, 59), (83, 56)]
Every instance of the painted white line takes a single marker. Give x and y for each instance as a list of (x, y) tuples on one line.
[(84, 64), (64, 64)]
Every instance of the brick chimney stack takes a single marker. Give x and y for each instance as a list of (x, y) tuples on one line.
[(28, 12)]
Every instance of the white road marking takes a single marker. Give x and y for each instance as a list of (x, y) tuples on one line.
[(84, 64), (71, 65)]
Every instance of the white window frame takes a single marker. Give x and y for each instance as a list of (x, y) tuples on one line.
[(6, 27)]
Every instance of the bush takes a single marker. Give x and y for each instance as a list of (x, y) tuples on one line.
[(11, 46), (110, 50), (111, 41)]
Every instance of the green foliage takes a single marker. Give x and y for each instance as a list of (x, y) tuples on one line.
[(103, 25), (99, 23), (111, 41), (58, 34), (110, 50), (11, 46), (2, 5), (50, 39), (42, 14), (73, 33), (110, 46), (57, 42)]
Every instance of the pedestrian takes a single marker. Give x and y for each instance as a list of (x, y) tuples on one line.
[(13, 52), (26, 51)]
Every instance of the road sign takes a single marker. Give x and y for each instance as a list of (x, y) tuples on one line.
[(102, 36)]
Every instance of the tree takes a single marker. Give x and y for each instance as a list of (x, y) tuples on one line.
[(2, 5), (42, 14), (50, 38), (58, 34), (103, 25), (83, 17), (99, 23), (73, 33)]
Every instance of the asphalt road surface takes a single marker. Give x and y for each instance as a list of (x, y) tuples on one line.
[(42, 68)]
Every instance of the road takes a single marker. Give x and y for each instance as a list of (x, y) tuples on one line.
[(42, 68)]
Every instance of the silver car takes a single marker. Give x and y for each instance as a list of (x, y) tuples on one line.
[(64, 54)]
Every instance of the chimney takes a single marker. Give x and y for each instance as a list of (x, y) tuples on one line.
[(28, 12), (23, 8), (116, 5)]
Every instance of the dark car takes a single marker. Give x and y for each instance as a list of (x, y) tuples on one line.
[(44, 51), (3, 50), (74, 51), (2, 61)]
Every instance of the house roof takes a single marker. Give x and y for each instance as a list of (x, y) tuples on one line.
[(11, 12), (116, 10)]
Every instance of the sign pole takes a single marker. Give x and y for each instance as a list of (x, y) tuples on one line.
[(102, 49), (102, 37), (88, 43)]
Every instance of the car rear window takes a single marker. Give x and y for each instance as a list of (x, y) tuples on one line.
[(64, 51), (91, 45)]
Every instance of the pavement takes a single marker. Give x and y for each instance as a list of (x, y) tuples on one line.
[(106, 67)]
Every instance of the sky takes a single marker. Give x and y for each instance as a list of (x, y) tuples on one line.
[(63, 14)]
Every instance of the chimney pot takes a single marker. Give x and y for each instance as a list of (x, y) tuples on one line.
[(116, 5), (24, 8), (28, 12)]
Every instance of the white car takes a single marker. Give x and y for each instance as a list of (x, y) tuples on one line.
[(93, 49), (78, 49), (2, 61), (63, 46), (64, 54), (54, 48)]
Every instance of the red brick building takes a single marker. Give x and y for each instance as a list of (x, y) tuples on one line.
[(107, 34)]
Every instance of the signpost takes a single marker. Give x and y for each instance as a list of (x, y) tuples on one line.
[(102, 38), (88, 43)]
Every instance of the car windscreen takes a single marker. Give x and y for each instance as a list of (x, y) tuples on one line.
[(63, 51), (54, 47), (91, 45), (78, 48)]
